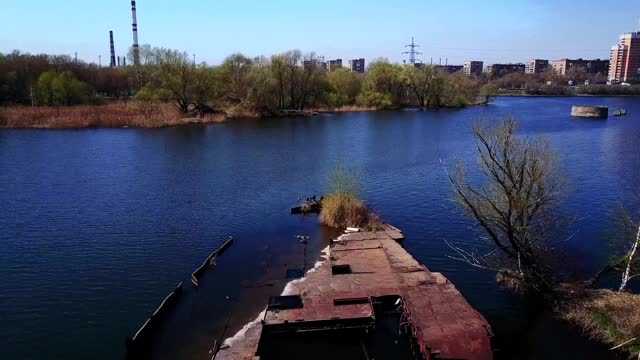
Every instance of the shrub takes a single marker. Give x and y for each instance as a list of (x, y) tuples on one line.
[(374, 99), (342, 210)]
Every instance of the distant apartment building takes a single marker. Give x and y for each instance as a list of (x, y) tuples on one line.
[(592, 67), (625, 58), (334, 65), (314, 64), (472, 68), (357, 65), (536, 66), (499, 70), (450, 69)]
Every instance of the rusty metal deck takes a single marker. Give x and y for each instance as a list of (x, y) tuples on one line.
[(444, 324)]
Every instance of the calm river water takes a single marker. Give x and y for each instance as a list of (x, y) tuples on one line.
[(98, 226)]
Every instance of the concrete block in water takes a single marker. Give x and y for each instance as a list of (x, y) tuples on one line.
[(590, 111)]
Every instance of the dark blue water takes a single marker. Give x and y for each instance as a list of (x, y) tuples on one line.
[(98, 226)]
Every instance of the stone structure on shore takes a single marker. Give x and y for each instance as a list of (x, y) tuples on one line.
[(367, 297)]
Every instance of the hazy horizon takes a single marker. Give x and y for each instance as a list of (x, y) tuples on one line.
[(490, 32)]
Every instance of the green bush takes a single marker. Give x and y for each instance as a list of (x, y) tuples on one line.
[(374, 99)]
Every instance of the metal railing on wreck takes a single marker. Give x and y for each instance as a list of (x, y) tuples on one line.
[(139, 346)]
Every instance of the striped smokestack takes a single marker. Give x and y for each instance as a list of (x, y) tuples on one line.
[(113, 50), (136, 48)]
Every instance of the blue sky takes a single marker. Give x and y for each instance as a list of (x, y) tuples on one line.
[(493, 31)]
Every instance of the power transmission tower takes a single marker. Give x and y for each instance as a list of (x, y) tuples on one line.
[(413, 53)]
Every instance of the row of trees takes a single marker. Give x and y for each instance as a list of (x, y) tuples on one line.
[(266, 85), (293, 81), (288, 81), (20, 74)]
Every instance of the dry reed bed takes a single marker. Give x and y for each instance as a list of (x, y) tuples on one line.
[(113, 115), (345, 109), (610, 317)]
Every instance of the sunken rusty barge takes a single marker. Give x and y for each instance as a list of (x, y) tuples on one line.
[(368, 298)]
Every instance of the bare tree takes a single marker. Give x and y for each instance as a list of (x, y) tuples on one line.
[(313, 80), (626, 243), (514, 206), (630, 261), (625, 246), (279, 72), (235, 77)]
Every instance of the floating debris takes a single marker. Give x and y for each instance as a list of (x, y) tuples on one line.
[(313, 205), (620, 112)]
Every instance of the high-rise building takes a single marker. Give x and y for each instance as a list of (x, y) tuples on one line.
[(356, 65), (591, 66), (625, 58), (499, 70), (334, 64), (536, 66), (472, 68)]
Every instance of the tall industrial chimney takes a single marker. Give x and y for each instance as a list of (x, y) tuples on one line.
[(113, 50), (136, 48)]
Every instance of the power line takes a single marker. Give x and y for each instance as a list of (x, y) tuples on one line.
[(413, 52), (517, 50)]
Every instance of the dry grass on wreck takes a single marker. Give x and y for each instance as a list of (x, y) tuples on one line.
[(610, 317), (342, 210)]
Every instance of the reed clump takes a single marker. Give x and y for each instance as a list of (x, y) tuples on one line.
[(343, 210)]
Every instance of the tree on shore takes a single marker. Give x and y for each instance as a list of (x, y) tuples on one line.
[(234, 74), (345, 87), (625, 248), (176, 74), (423, 82), (514, 207), (629, 262), (386, 79), (488, 91), (54, 89)]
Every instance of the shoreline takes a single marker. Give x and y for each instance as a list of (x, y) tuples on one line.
[(568, 96), (125, 115)]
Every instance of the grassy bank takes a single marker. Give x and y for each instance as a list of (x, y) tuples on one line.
[(113, 115), (609, 317)]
